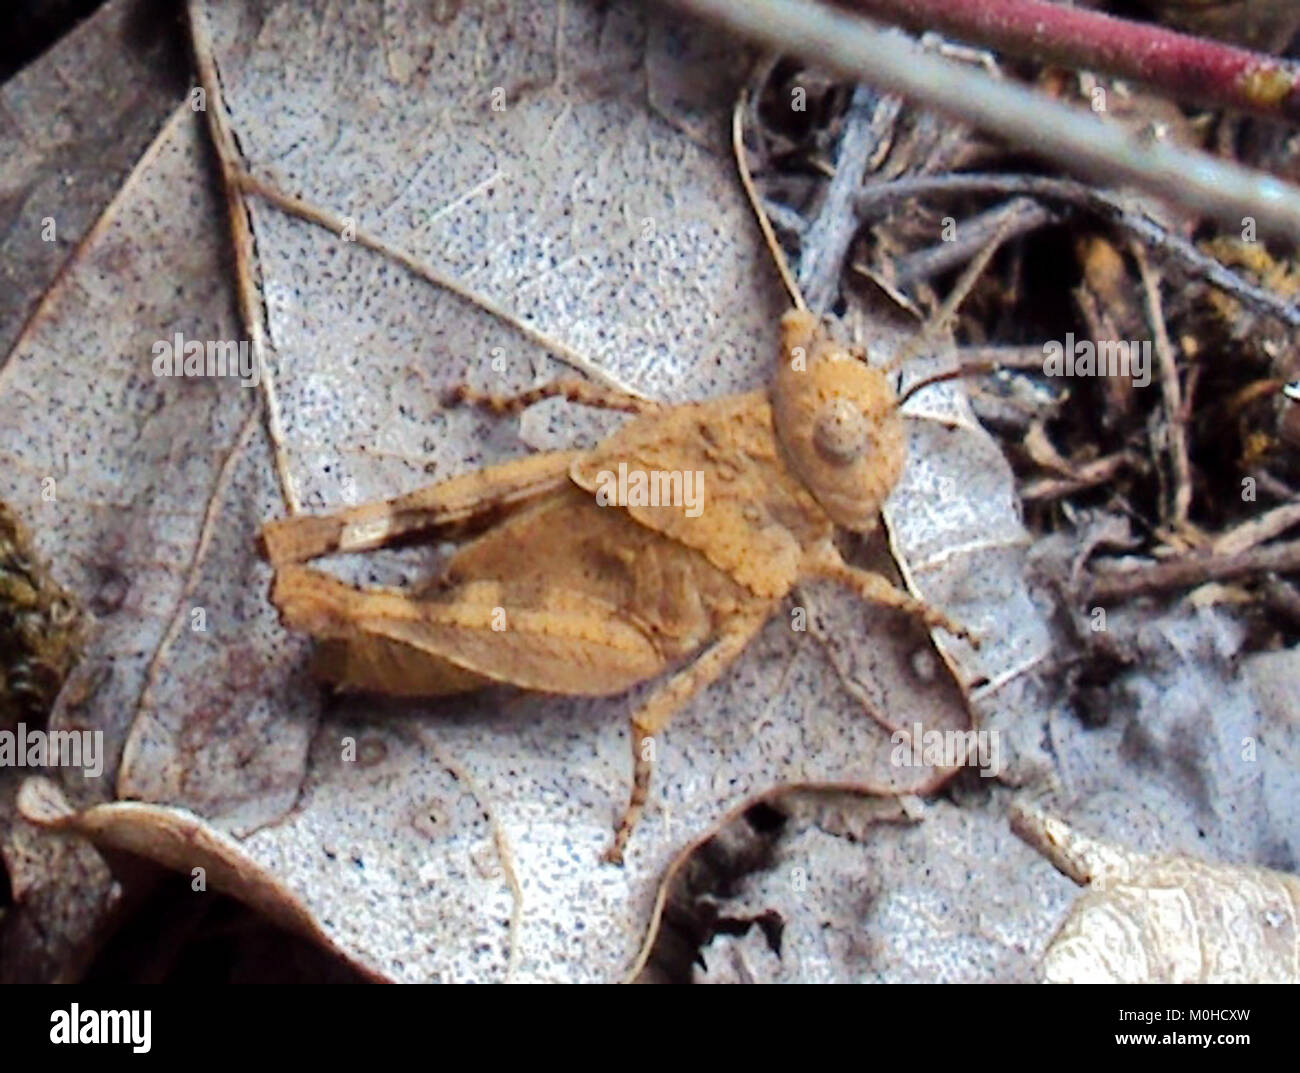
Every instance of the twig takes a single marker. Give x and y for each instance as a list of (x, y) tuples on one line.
[(940, 320), (888, 289), (1267, 526), (1105, 205), (827, 240), (1171, 390), (1116, 584), (1185, 67), (1029, 356), (1075, 138), (1020, 217), (1099, 471), (1275, 487), (1284, 598)]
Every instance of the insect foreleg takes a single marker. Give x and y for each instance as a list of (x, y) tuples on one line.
[(653, 716), (875, 588)]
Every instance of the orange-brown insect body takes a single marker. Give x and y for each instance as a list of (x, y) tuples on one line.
[(565, 595)]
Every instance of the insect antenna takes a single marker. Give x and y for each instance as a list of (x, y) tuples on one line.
[(978, 368), (937, 322), (764, 224)]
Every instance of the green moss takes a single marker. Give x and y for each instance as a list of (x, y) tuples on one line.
[(40, 629)]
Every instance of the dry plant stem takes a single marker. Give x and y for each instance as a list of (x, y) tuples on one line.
[(241, 233), (1267, 526), (1170, 389), (1122, 584), (888, 289), (1073, 137), (1001, 357), (946, 312), (1090, 476), (1107, 206), (1185, 67), (1020, 217), (1273, 486), (942, 317), (1073, 854), (1250, 394), (1284, 598), (826, 242)]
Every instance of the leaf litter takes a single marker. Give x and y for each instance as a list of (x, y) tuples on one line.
[(461, 843), (464, 843)]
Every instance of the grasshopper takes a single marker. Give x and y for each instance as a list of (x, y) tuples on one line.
[(557, 589)]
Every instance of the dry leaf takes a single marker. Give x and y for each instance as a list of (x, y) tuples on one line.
[(601, 206), (925, 893), (1164, 919)]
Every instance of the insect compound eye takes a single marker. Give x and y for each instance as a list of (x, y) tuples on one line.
[(840, 433)]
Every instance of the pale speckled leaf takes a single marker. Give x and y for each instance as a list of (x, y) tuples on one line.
[(64, 156), (600, 205), (956, 532)]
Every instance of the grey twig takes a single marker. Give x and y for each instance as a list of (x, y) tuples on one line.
[(826, 242), (1171, 391), (1019, 216), (1118, 583)]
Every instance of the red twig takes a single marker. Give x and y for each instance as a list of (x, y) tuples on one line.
[(1180, 65)]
